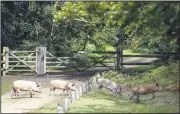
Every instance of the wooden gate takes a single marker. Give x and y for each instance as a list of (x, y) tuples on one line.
[(78, 61), (40, 61), (17, 62)]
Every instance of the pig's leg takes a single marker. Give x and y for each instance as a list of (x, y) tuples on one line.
[(63, 93), (18, 93), (100, 88), (153, 95), (50, 89), (54, 90), (132, 96), (26, 93), (31, 94), (137, 99), (69, 92), (113, 92), (13, 93)]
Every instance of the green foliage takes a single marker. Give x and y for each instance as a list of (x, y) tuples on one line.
[(72, 26), (164, 75)]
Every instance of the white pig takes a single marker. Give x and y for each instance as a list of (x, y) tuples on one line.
[(23, 85), (61, 84)]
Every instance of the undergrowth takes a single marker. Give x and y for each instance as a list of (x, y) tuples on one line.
[(164, 75)]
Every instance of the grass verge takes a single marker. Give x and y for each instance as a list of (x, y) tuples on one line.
[(96, 102), (5, 87)]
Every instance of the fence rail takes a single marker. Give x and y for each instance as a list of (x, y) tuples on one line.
[(41, 60)]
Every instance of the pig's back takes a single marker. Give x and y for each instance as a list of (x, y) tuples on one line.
[(59, 83), (107, 83), (145, 88), (22, 84)]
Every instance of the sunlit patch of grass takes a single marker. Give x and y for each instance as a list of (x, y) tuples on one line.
[(97, 102), (129, 52), (5, 87)]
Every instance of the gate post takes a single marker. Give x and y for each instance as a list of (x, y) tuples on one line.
[(41, 60), (6, 60), (118, 59), (121, 59)]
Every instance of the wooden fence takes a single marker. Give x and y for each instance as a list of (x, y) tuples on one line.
[(41, 61), (23, 61), (64, 104)]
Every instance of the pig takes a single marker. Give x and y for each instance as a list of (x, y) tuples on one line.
[(144, 89), (23, 85), (110, 85), (61, 84)]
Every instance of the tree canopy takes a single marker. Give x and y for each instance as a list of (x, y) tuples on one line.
[(76, 26)]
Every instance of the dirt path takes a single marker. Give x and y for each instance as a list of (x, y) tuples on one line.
[(25, 104)]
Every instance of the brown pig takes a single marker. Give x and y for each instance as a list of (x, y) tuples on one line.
[(145, 89)]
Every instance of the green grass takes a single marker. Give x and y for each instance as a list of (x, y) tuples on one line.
[(165, 75), (94, 101), (5, 87), (104, 102), (129, 52)]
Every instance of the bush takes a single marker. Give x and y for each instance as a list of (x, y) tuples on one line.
[(164, 75)]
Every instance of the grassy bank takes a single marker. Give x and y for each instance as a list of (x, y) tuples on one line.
[(95, 101), (106, 103), (166, 75)]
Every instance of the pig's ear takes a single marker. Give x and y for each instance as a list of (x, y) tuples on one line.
[(73, 84), (157, 84)]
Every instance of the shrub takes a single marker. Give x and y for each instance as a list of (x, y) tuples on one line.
[(164, 75)]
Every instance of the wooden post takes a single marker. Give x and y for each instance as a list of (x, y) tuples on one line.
[(73, 96), (77, 94), (84, 88), (41, 60), (60, 108), (66, 104), (6, 59), (88, 85), (121, 59), (80, 91), (118, 59)]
